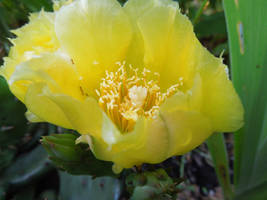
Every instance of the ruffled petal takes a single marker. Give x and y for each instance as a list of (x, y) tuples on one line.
[(135, 52), (149, 146), (34, 38), (46, 110), (96, 34), (55, 70), (220, 100), (184, 122), (170, 45), (48, 72), (85, 116), (186, 130)]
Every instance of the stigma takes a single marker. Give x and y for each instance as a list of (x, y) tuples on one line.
[(128, 94)]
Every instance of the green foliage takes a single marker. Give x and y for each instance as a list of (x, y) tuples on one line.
[(247, 29), (75, 159)]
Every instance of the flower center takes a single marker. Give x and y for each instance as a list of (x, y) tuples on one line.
[(127, 95)]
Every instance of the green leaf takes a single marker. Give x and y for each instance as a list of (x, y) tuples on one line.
[(84, 187), (75, 159), (247, 30)]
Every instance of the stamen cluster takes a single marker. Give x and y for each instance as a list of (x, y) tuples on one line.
[(127, 94)]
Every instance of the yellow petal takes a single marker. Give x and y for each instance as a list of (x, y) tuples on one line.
[(149, 146), (34, 38), (220, 100), (173, 133), (55, 70), (31, 80), (85, 116), (96, 34), (184, 122), (38, 103), (190, 100), (168, 39), (186, 130), (135, 52)]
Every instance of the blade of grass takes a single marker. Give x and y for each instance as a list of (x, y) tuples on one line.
[(199, 12), (217, 149), (247, 31)]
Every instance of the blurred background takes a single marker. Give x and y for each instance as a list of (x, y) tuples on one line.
[(25, 170)]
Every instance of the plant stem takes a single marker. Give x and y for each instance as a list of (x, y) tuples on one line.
[(182, 166)]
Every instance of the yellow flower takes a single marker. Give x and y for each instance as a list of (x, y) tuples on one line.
[(134, 81)]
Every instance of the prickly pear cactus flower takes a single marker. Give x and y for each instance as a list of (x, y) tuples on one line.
[(133, 80)]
